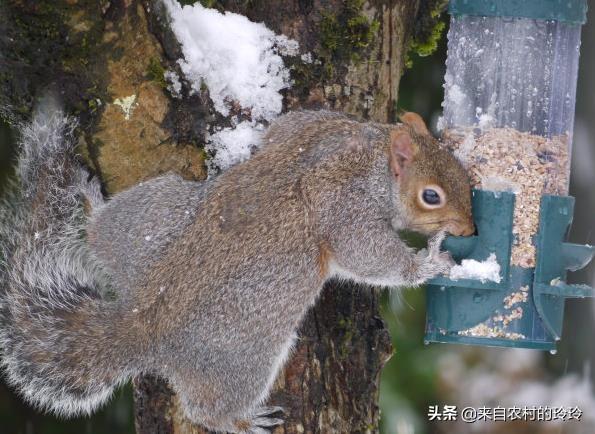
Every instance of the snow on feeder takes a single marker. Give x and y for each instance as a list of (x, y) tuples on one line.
[(510, 90)]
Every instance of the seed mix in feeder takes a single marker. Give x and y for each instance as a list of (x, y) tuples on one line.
[(495, 327)]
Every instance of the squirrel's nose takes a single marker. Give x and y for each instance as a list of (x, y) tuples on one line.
[(462, 228), (468, 230)]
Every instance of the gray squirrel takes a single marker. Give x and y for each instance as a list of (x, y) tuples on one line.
[(205, 283)]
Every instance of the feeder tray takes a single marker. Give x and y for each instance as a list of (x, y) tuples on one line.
[(456, 307)]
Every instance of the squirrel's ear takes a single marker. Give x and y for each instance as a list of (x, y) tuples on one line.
[(416, 122), (402, 150)]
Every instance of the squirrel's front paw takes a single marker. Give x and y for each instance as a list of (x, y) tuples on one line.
[(441, 261), (262, 422)]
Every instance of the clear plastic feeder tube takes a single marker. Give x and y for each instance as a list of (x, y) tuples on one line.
[(510, 90)]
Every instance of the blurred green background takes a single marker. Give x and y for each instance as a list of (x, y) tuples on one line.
[(418, 376)]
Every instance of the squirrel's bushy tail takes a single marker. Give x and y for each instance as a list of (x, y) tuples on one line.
[(52, 315)]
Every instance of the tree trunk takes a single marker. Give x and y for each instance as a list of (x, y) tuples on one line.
[(96, 52)]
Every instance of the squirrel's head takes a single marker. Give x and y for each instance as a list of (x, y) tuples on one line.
[(433, 187)]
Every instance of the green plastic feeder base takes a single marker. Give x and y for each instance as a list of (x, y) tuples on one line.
[(472, 312)]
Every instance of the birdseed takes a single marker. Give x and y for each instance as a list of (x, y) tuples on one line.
[(495, 327), (484, 331)]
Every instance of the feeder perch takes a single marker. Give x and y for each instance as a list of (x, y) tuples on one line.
[(510, 90)]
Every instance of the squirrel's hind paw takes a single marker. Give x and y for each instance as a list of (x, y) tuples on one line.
[(267, 422), (268, 411), (263, 421)]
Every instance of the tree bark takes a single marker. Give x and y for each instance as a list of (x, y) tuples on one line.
[(95, 52)]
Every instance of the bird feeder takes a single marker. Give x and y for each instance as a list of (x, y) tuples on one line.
[(510, 89)]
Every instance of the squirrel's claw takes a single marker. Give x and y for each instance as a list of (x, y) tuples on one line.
[(266, 422), (435, 242), (262, 422), (267, 411), (441, 260)]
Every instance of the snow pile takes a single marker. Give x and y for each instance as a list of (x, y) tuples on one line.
[(472, 269), (237, 59), (240, 62), (233, 145)]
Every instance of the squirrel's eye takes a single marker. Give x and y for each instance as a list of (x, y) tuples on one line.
[(431, 197)]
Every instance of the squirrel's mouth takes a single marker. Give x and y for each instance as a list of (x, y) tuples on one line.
[(461, 228), (452, 226)]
